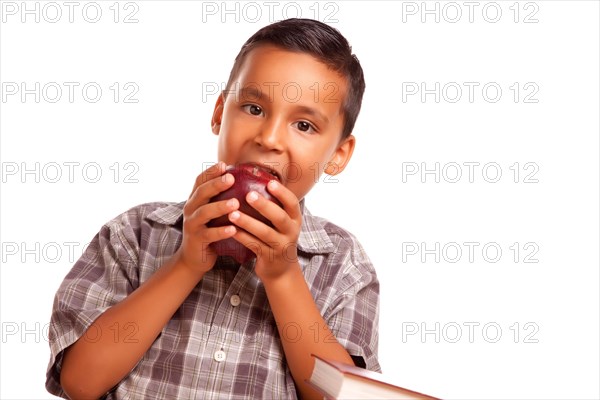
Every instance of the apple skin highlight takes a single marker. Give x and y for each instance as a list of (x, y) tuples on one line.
[(248, 177)]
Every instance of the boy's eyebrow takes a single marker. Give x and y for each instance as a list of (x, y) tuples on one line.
[(250, 93), (313, 112)]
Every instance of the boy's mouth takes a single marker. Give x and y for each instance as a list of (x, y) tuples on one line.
[(267, 168)]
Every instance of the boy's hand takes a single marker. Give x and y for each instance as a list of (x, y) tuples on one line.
[(275, 248), (195, 252)]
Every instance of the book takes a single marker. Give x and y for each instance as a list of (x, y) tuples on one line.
[(336, 380)]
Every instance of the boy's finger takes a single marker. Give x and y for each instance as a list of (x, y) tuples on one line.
[(211, 172), (290, 202), (254, 227), (203, 193), (271, 211), (211, 235), (202, 215), (249, 241)]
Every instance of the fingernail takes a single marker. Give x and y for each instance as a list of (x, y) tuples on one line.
[(252, 196), (231, 203), (229, 167), (273, 184), (234, 215)]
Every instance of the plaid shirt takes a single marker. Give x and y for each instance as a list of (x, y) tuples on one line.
[(222, 342)]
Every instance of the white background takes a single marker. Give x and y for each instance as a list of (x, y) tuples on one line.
[(177, 49)]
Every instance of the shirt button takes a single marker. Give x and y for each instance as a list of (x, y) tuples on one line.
[(219, 356), (235, 300)]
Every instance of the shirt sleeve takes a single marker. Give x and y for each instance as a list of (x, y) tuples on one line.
[(103, 276), (353, 312)]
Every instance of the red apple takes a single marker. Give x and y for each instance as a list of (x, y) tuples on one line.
[(248, 177)]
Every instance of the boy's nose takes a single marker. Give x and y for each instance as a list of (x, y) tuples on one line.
[(272, 135)]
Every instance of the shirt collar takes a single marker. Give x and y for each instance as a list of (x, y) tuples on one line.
[(313, 236), (167, 215)]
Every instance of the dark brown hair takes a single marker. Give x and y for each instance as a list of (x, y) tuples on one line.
[(323, 42)]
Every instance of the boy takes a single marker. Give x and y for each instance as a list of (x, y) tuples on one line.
[(150, 311)]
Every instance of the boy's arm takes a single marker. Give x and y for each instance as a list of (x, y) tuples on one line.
[(291, 301), (302, 329), (92, 367)]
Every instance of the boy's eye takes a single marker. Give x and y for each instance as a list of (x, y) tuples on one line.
[(253, 109), (305, 126)]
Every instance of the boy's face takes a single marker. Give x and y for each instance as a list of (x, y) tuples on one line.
[(284, 111)]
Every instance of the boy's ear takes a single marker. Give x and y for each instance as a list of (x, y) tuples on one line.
[(215, 122), (341, 156)]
